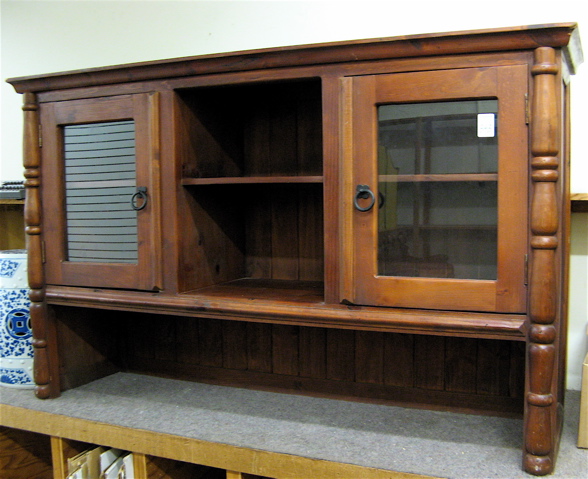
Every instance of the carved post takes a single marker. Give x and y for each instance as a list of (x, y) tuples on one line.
[(36, 277), (540, 436)]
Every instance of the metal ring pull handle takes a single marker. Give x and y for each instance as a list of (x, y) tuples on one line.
[(139, 199), (363, 192)]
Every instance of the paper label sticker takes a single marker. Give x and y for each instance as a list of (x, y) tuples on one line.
[(486, 125)]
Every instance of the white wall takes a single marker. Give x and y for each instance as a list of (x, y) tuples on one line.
[(47, 36)]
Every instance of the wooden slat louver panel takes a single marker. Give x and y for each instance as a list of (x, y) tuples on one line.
[(100, 180)]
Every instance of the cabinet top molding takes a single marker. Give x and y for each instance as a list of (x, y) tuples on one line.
[(560, 35)]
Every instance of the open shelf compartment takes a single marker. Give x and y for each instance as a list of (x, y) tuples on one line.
[(252, 171), (251, 130)]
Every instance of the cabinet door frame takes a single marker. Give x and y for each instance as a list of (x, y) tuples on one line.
[(360, 283), (143, 110)]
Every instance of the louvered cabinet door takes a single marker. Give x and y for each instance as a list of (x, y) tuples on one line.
[(99, 193)]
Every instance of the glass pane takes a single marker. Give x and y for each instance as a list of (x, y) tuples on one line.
[(100, 180), (439, 138), (438, 190)]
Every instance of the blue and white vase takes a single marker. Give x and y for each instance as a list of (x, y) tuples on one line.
[(16, 351)]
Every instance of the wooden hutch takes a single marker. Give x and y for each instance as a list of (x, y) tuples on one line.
[(379, 219)]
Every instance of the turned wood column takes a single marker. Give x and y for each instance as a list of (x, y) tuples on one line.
[(47, 383), (540, 433)]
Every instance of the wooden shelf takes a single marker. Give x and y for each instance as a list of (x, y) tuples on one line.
[(295, 303), (309, 292), (579, 203), (251, 180)]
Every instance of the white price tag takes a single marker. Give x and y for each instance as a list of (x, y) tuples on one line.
[(486, 125)]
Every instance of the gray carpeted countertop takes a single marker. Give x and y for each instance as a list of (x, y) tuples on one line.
[(394, 438)]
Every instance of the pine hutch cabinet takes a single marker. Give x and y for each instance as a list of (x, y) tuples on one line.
[(380, 219)]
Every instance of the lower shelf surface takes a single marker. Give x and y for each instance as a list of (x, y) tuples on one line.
[(369, 435)]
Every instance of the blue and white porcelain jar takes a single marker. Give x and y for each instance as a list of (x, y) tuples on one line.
[(16, 351)]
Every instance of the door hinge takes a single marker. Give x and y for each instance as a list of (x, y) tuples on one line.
[(40, 136), (527, 111), (43, 252), (526, 269)]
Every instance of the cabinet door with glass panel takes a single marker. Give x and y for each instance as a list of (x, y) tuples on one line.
[(100, 220), (436, 194)]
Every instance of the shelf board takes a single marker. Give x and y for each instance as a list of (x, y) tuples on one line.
[(439, 178), (251, 180), (310, 292), (579, 202), (296, 303)]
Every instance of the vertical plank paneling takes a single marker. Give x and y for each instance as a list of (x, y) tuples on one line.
[(284, 234), (369, 357), (259, 347), (430, 362), (210, 345), (285, 349), (460, 364), (154, 339), (164, 333), (234, 344), (283, 132), (492, 367), (259, 235), (141, 345), (313, 352), (399, 367), (341, 355), (256, 137), (309, 133), (187, 340), (258, 161), (517, 362), (322, 360)]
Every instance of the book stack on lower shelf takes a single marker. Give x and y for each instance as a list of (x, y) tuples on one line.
[(102, 463)]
